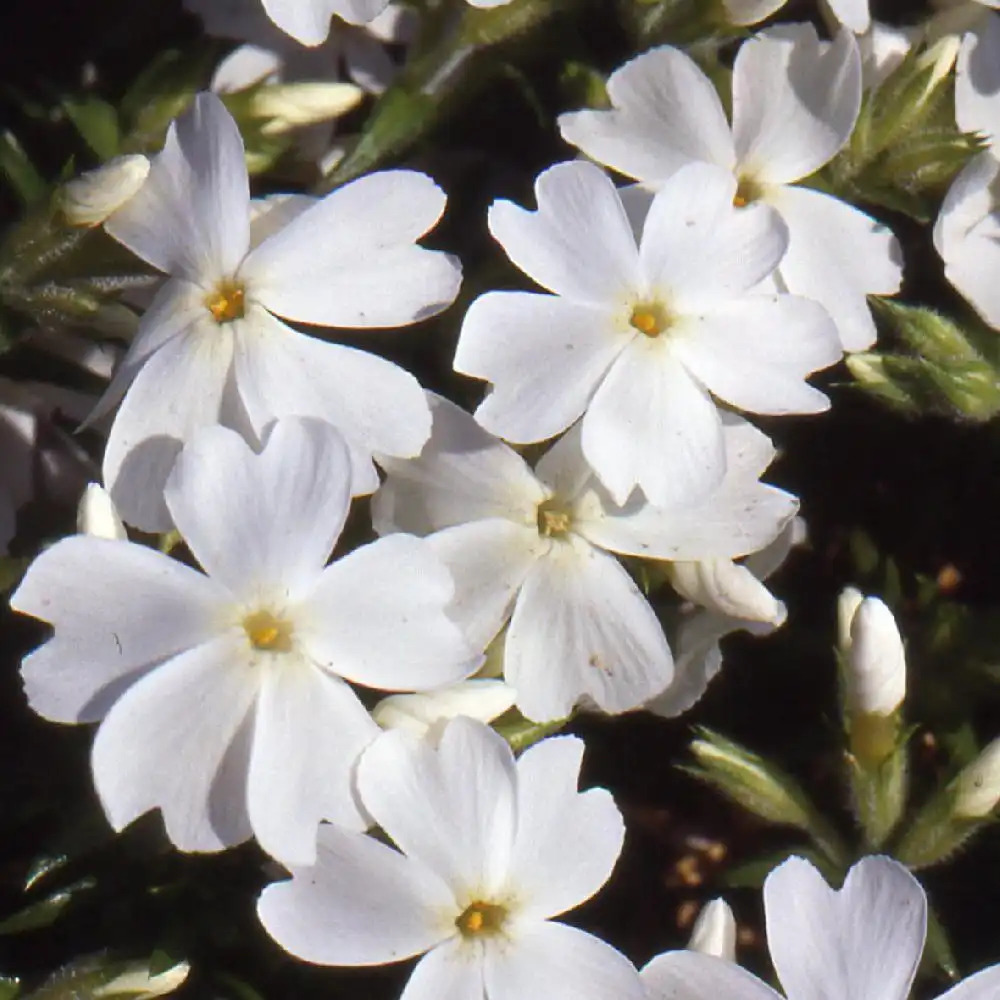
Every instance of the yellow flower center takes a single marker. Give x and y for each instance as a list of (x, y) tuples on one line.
[(554, 520), (267, 632), (227, 301), (650, 319), (748, 190), (481, 919)]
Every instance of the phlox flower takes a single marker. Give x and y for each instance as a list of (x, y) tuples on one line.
[(224, 693), (967, 231), (863, 942), (795, 102), (211, 348), (639, 334), (537, 548), (853, 14), (489, 850), (746, 12)]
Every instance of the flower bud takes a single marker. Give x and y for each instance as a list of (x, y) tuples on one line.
[(847, 604), (714, 932), (743, 13), (876, 667), (727, 588), (484, 700), (292, 105), (96, 514), (977, 787), (137, 983), (92, 197)]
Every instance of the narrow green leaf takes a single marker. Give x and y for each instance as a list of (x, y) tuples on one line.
[(97, 123), (16, 166)]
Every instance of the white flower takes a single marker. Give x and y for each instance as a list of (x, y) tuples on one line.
[(489, 851), (96, 514), (714, 932), (89, 199), (308, 21), (795, 102), (223, 696), (211, 347), (876, 663), (883, 49), (533, 547), (977, 787), (746, 12), (480, 698), (636, 338), (863, 942), (853, 14)]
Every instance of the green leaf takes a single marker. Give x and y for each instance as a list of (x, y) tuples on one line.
[(97, 123), (27, 183), (938, 953), (47, 911)]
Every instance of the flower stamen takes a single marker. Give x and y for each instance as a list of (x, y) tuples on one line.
[(650, 319), (227, 301), (268, 633), (480, 919), (554, 520)]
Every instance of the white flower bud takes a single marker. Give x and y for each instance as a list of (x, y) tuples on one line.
[(847, 605), (728, 588), (419, 713), (92, 197), (978, 785), (876, 670), (137, 983), (714, 931), (96, 514), (292, 105)]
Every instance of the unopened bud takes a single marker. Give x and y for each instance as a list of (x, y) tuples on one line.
[(727, 588), (847, 604), (96, 514), (876, 667), (484, 700), (92, 197), (292, 105), (714, 932), (977, 787), (138, 984)]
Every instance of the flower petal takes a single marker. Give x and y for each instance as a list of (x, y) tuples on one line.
[(665, 113), (581, 629), (451, 971), (795, 101), (982, 986), (117, 609), (567, 842), (191, 218), (837, 255), (361, 904), (650, 424), (462, 474), (377, 617), (698, 249), (863, 942), (690, 975), (853, 13), (755, 352), (977, 81), (579, 243), (165, 741), (451, 806), (309, 733), (268, 521), (179, 390), (545, 357), (559, 963), (351, 260), (376, 405), (308, 21)]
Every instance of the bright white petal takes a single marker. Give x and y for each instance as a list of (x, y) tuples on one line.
[(650, 424), (117, 609), (351, 260), (665, 113), (689, 975), (579, 243), (462, 474), (755, 352), (309, 733), (977, 81), (837, 255), (178, 391), (376, 405), (983, 985), (165, 740), (567, 842), (377, 617), (697, 660), (308, 21), (545, 357), (795, 101), (484, 699), (852, 13), (262, 521), (361, 904), (452, 971), (727, 589), (191, 218), (698, 249), (581, 629), (451, 807), (559, 963), (863, 942), (489, 561)]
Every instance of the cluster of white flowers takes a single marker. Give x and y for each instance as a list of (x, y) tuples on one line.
[(670, 313)]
